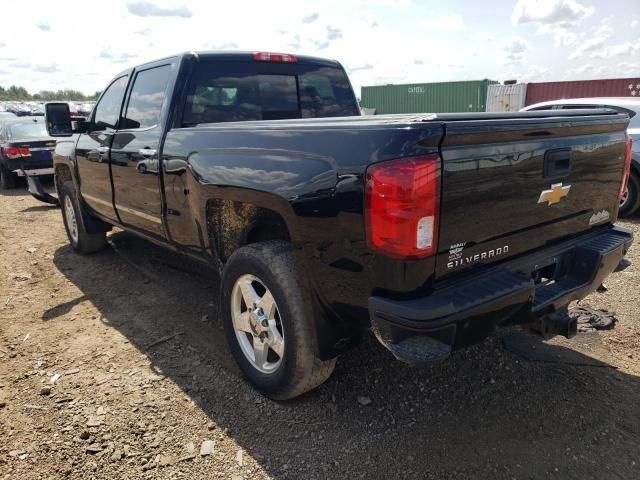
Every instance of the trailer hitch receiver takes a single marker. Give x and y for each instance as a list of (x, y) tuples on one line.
[(558, 323)]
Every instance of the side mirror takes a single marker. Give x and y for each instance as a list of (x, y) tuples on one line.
[(79, 125), (57, 118)]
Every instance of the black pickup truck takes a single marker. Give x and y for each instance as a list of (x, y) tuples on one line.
[(431, 230)]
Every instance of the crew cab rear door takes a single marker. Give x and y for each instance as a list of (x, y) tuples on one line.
[(515, 183), (93, 149)]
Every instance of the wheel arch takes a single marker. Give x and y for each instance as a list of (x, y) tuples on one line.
[(232, 224), (62, 173)]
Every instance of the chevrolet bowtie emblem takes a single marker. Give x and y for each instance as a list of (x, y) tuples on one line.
[(556, 193)]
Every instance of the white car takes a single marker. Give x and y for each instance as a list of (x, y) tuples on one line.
[(629, 105)]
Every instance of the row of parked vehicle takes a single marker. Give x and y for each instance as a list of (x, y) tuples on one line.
[(25, 109), (26, 149)]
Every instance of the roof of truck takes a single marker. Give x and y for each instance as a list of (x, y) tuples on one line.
[(242, 55)]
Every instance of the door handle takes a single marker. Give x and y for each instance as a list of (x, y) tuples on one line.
[(102, 149), (147, 152), (557, 163)]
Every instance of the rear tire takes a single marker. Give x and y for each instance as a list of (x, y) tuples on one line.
[(8, 179), (269, 270), (632, 201), (75, 220)]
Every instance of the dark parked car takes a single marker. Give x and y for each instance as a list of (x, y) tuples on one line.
[(630, 202), (25, 149), (431, 230)]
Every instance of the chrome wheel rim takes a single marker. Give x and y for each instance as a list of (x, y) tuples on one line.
[(257, 324), (625, 197), (70, 216)]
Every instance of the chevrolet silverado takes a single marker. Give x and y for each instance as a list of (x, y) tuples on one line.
[(431, 230)]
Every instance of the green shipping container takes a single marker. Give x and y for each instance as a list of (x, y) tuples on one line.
[(469, 96)]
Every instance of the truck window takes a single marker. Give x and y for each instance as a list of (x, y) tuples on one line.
[(107, 110), (237, 91), (146, 98)]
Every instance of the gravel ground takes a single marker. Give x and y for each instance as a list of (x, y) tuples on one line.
[(115, 366)]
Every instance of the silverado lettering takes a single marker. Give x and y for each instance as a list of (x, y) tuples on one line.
[(323, 223), (479, 256)]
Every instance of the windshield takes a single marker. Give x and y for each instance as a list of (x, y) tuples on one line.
[(28, 130), (237, 91)]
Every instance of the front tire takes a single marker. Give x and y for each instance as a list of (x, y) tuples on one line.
[(264, 319), (631, 201), (8, 179), (75, 220)]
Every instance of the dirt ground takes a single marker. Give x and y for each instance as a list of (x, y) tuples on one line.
[(115, 366)]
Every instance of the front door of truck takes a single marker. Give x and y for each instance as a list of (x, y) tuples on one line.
[(93, 148), (135, 149)]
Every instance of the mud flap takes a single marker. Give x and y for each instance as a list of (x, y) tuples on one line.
[(36, 189)]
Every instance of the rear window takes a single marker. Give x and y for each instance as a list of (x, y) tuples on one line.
[(28, 130), (146, 98), (241, 91)]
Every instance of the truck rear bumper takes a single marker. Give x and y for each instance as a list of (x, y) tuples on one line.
[(522, 290), (34, 172)]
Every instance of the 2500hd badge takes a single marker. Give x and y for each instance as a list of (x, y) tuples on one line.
[(456, 259)]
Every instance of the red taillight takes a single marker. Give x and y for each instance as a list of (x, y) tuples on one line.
[(627, 167), (274, 57), (402, 200), (16, 152)]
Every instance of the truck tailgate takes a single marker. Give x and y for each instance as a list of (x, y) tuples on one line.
[(513, 184)]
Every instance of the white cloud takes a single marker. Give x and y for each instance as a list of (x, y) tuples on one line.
[(310, 18), (514, 49), (44, 26), (587, 67), (483, 36), (51, 68), (533, 73), (562, 35), (333, 33), (557, 18), (589, 46), (604, 30), (366, 66), (549, 11), (445, 23), (149, 9), (594, 43), (122, 57), (634, 23), (610, 51)]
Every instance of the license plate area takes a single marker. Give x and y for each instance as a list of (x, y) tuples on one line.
[(545, 275), (548, 272)]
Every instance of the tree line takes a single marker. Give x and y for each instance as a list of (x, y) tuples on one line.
[(16, 93)]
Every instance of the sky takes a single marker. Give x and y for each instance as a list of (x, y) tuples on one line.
[(83, 44)]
